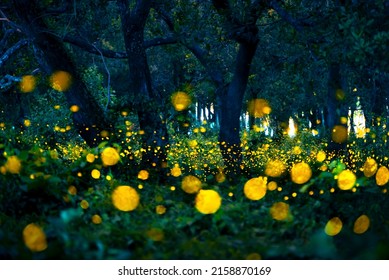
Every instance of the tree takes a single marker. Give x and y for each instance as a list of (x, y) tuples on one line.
[(89, 118)]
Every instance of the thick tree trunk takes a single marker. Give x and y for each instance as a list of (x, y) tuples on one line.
[(335, 108), (151, 121), (231, 108), (89, 120)]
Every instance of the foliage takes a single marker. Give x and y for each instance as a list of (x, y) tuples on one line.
[(79, 214)]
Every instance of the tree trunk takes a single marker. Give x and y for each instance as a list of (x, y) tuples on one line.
[(335, 108), (151, 121), (90, 119), (231, 108)]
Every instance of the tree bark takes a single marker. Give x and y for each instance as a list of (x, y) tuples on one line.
[(335, 108), (231, 108), (151, 121), (89, 120)]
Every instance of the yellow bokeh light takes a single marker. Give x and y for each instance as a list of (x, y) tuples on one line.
[(361, 224), (220, 177), (95, 174), (321, 156), (84, 204), (34, 238), (279, 211), (176, 171), (74, 108), (272, 186), (333, 226), (382, 176), (60, 80), (346, 180), (208, 201), (191, 184), (72, 190), (96, 219), (110, 156), (258, 107), (27, 84), (90, 158), (160, 209), (370, 167), (274, 168), (255, 188), (125, 198), (300, 173), (181, 100), (339, 134), (13, 165), (27, 123), (143, 175)]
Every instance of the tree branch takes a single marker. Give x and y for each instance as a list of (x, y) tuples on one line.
[(12, 50), (296, 24), (160, 41), (286, 16), (86, 46), (7, 81)]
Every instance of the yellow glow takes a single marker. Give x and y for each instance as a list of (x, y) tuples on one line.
[(370, 167), (27, 84), (272, 186), (60, 80), (255, 188), (333, 226), (258, 107), (208, 201), (382, 176), (321, 156), (90, 158), (95, 174), (27, 123), (220, 177), (176, 171), (279, 211), (143, 175), (96, 219), (191, 184), (13, 165), (110, 156), (300, 173), (181, 100), (346, 180), (274, 168), (125, 198), (84, 204), (34, 238), (72, 190), (160, 209), (362, 224), (74, 108), (339, 134)]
